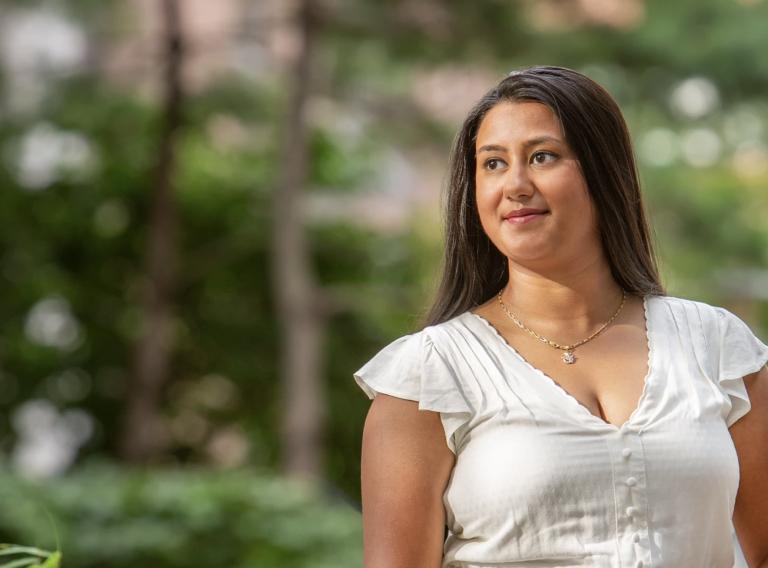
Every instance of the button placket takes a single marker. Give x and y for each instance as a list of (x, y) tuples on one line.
[(631, 502)]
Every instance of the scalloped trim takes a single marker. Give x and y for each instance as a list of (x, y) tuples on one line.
[(572, 400)]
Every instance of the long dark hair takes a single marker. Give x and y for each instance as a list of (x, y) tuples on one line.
[(473, 268)]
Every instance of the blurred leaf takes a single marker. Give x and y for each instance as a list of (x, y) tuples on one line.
[(113, 518)]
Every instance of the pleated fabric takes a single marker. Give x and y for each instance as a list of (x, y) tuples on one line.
[(539, 481)]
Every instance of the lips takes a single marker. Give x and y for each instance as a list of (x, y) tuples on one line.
[(525, 215), (524, 212)]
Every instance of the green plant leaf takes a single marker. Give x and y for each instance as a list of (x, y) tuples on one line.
[(19, 563), (8, 549), (54, 561)]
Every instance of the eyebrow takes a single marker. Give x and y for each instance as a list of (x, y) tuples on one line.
[(527, 144)]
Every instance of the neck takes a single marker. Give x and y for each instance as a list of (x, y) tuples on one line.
[(575, 299)]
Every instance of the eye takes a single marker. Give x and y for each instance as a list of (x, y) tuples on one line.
[(542, 157), (493, 164)]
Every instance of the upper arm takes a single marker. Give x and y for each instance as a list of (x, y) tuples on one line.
[(750, 437), (405, 469)]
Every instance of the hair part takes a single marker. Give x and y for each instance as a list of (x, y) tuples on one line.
[(473, 268)]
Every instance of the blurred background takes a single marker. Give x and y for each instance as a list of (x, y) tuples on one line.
[(212, 213)]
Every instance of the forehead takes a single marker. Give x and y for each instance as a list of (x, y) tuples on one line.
[(510, 122)]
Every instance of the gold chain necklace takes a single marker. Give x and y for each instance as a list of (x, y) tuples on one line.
[(568, 357)]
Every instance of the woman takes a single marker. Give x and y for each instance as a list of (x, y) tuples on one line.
[(560, 409)]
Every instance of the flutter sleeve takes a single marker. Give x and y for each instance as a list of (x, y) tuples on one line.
[(411, 367), (738, 353)]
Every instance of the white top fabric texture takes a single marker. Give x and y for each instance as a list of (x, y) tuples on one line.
[(539, 481)]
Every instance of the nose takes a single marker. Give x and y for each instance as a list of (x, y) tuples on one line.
[(518, 183)]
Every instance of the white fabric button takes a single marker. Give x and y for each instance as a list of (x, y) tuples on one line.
[(631, 481), (639, 564), (636, 538), (631, 511), (626, 452)]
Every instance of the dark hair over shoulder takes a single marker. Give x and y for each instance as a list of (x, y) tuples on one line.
[(473, 268)]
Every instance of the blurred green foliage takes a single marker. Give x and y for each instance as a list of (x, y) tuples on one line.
[(82, 237), (15, 556), (109, 517)]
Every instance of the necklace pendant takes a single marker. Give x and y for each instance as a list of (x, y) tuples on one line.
[(569, 358)]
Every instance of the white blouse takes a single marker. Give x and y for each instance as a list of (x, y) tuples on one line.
[(539, 481)]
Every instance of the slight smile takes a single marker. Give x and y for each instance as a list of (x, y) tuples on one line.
[(526, 217)]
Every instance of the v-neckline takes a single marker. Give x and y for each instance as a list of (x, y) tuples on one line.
[(567, 395)]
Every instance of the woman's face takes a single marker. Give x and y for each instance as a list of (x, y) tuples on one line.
[(523, 161)]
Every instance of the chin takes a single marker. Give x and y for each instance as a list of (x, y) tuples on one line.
[(525, 258), (528, 251)]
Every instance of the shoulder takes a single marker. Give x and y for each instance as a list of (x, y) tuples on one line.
[(716, 333), (395, 368), (418, 366), (726, 343), (687, 304), (695, 315), (439, 332), (705, 313), (406, 352)]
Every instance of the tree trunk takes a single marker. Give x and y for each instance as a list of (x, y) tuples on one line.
[(144, 436), (300, 317)]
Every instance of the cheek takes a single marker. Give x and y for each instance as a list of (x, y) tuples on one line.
[(487, 204), (585, 203), (489, 189), (582, 211)]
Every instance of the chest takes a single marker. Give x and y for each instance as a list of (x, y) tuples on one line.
[(552, 490), (609, 375), (540, 474)]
